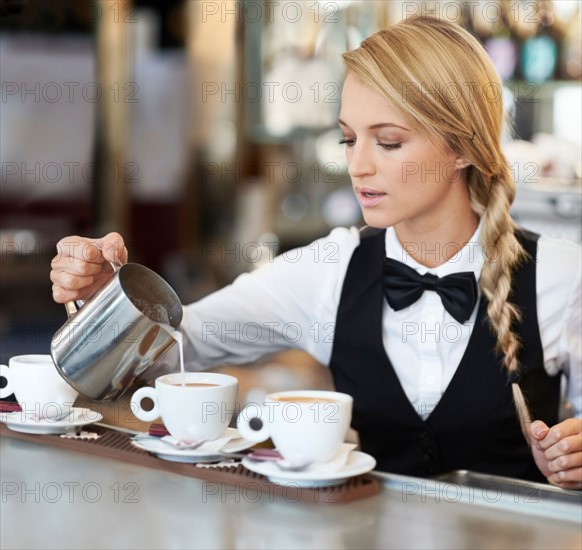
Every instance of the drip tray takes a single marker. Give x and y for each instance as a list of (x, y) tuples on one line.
[(115, 445), (496, 492), (518, 489)]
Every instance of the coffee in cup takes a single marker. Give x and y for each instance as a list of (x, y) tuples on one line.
[(305, 426), (40, 390), (193, 406)]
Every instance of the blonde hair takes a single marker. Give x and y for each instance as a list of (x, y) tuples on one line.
[(443, 84)]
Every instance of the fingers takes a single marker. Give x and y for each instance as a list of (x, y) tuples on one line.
[(79, 248), (561, 446), (62, 295), (567, 479), (113, 248), (565, 462), (77, 266), (71, 281), (82, 265), (567, 445), (570, 427), (107, 249)]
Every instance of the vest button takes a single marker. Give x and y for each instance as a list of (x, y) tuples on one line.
[(424, 434), (428, 454)]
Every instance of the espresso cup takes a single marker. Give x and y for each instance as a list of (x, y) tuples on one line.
[(193, 406), (305, 426), (40, 390)]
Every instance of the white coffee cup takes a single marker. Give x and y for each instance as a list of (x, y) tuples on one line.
[(305, 426), (193, 406), (38, 387)]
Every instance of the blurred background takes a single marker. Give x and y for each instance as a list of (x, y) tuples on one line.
[(205, 133)]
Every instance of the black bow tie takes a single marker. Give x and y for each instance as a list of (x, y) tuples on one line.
[(403, 286)]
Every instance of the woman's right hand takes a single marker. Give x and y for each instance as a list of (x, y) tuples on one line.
[(82, 265)]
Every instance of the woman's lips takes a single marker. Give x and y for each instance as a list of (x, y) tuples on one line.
[(368, 197)]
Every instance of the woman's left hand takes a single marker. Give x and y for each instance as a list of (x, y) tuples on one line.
[(557, 451)]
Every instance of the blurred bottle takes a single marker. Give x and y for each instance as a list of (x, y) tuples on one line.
[(571, 59), (503, 45), (483, 18), (540, 53)]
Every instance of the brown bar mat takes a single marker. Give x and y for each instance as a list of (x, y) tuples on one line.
[(117, 446)]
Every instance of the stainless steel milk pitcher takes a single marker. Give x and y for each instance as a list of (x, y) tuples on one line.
[(113, 338)]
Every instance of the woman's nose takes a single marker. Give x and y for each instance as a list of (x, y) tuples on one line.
[(360, 161)]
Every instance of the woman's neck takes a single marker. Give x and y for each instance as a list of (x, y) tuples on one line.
[(432, 243)]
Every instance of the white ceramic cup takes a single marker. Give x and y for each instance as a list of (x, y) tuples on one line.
[(190, 413), (305, 426), (38, 387)]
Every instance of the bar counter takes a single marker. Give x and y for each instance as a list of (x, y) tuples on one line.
[(52, 498)]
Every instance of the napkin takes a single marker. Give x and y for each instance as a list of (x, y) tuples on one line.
[(333, 465), (9, 406), (210, 446), (336, 463), (158, 430)]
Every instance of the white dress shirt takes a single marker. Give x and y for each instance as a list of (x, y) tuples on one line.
[(292, 302)]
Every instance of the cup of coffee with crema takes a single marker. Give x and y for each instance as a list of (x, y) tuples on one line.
[(305, 426), (40, 390), (193, 406)]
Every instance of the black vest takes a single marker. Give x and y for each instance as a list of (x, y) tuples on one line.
[(474, 426)]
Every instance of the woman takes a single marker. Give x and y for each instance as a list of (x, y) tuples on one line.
[(446, 373)]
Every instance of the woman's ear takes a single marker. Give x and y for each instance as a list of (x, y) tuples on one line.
[(462, 162)]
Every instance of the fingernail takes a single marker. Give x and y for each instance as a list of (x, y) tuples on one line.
[(538, 429)]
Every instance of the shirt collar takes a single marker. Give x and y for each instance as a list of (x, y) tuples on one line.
[(468, 258)]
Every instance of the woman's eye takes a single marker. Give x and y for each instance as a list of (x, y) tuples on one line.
[(390, 146), (348, 142)]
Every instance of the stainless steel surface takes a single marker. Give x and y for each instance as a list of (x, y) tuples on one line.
[(117, 334), (538, 492), (55, 499), (501, 493)]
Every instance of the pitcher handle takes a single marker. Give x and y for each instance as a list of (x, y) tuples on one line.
[(71, 306)]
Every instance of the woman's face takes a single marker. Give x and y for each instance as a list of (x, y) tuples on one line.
[(398, 176)]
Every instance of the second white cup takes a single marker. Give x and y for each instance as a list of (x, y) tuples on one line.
[(305, 426)]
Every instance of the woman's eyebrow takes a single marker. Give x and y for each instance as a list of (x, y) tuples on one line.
[(378, 125), (387, 125)]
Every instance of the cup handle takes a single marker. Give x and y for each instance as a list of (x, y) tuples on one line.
[(136, 408), (71, 306), (6, 390), (252, 423)]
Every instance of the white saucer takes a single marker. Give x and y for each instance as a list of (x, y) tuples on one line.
[(165, 452), (358, 463), (28, 424)]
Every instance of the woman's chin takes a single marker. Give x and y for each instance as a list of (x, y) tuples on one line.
[(375, 219)]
